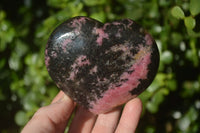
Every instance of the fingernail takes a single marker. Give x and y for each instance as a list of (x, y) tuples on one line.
[(65, 98)]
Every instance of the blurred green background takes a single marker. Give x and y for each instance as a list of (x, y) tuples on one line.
[(171, 103)]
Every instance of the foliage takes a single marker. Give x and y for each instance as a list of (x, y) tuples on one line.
[(171, 103)]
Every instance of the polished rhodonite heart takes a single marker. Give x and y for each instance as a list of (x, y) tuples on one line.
[(101, 66)]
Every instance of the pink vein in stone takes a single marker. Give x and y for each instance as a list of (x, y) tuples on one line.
[(101, 36), (78, 21), (148, 39), (116, 23), (53, 54), (64, 44), (116, 96), (130, 22), (82, 60), (93, 70), (47, 58), (79, 62)]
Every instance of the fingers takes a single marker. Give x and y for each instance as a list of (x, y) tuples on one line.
[(52, 118), (58, 97), (83, 121), (130, 116), (106, 123)]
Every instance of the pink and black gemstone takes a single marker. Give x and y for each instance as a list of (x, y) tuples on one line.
[(101, 66)]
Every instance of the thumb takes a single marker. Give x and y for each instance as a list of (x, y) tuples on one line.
[(51, 118)]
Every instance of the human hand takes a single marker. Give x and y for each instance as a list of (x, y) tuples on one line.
[(54, 118)]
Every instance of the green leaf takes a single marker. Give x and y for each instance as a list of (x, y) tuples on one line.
[(172, 84), (50, 21), (189, 22), (177, 12), (94, 2), (7, 34), (151, 107), (2, 15), (21, 118), (14, 62), (195, 7), (58, 3), (2, 63), (167, 57), (100, 16)]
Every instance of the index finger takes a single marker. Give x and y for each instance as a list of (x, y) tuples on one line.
[(51, 118)]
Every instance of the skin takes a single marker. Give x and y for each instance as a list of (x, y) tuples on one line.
[(54, 118)]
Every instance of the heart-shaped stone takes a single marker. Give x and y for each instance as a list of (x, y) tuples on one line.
[(101, 66)]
